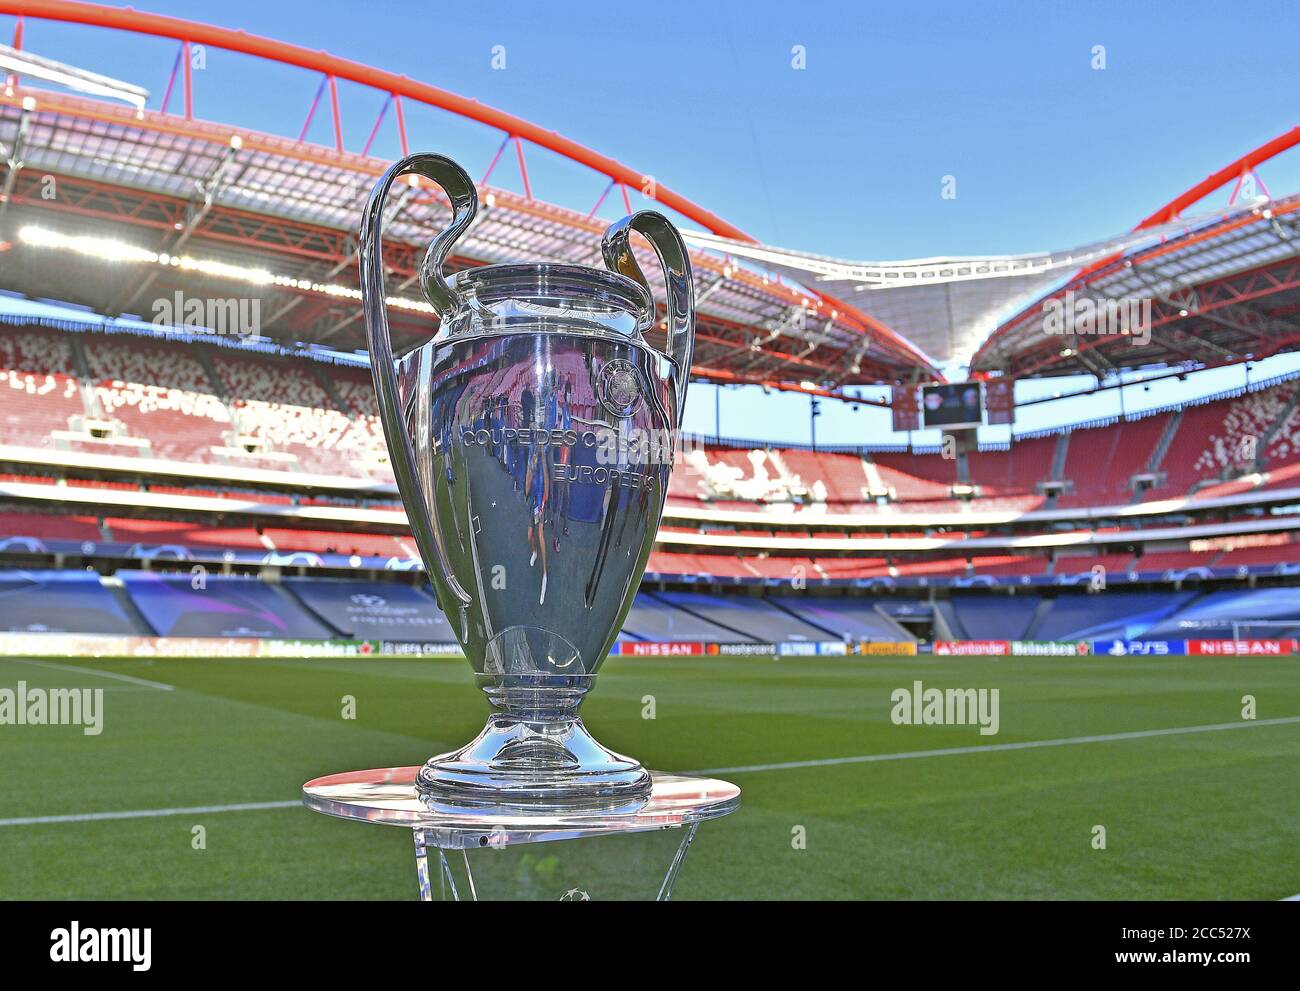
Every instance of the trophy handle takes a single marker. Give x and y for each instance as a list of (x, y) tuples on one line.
[(671, 249), (459, 188)]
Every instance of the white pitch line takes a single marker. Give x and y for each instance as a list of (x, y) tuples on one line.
[(1025, 745), (100, 674), (149, 813), (788, 765)]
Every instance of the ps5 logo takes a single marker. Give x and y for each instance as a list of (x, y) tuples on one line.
[(1137, 648)]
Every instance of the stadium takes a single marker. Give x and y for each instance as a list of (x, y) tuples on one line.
[(198, 507)]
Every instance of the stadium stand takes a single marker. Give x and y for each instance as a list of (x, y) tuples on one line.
[(220, 606), (846, 619), (1100, 463), (1217, 439), (49, 527), (754, 619), (1279, 553), (160, 393), (986, 617), (374, 610), (924, 478), (198, 403), (1164, 562), (335, 542), (1084, 566), (39, 391), (60, 602), (280, 407), (1270, 612), (154, 532), (651, 618), (1117, 613), (1015, 471)]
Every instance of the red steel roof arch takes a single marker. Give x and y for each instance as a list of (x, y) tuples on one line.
[(1166, 213), (332, 66)]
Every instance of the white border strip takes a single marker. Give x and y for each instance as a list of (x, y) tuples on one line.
[(1024, 745), (91, 671), (149, 813)]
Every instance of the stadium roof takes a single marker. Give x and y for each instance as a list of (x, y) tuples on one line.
[(216, 210), (945, 306), (1222, 291), (1218, 282), (1226, 291)]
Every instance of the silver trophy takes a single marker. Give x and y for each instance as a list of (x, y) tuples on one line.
[(532, 439)]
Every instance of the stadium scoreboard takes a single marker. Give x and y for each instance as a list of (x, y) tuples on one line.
[(952, 405)]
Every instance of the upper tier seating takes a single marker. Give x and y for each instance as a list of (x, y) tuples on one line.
[(1016, 471), (1101, 462), (199, 402), (1223, 438), (916, 478), (1288, 553), (279, 403), (49, 527), (39, 392), (161, 393)]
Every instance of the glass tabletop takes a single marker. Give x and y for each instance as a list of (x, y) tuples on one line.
[(388, 796)]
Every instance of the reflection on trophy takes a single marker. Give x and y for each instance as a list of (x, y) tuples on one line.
[(532, 440)]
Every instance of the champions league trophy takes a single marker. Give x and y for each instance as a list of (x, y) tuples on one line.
[(532, 440)]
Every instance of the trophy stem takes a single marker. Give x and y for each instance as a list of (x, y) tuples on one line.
[(534, 749)]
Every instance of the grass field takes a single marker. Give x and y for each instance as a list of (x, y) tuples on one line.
[(1209, 814)]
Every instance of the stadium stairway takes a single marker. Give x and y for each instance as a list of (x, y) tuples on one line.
[(802, 617), (1059, 456), (318, 372), (694, 614), (947, 624), (85, 381), (1158, 455), (1036, 620), (287, 593), (118, 590)]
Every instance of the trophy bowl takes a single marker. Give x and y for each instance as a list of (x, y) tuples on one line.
[(532, 439)]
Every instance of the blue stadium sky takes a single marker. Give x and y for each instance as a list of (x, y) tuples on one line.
[(844, 157)]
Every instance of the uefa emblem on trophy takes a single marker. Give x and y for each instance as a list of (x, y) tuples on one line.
[(532, 440)]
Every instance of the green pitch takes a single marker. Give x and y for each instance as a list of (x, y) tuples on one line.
[(1207, 814)]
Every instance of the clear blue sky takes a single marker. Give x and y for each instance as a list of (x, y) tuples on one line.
[(844, 157)]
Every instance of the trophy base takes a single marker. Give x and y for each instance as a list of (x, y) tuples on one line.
[(490, 853), (515, 762)]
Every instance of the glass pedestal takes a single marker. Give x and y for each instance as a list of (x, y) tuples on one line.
[(634, 851)]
